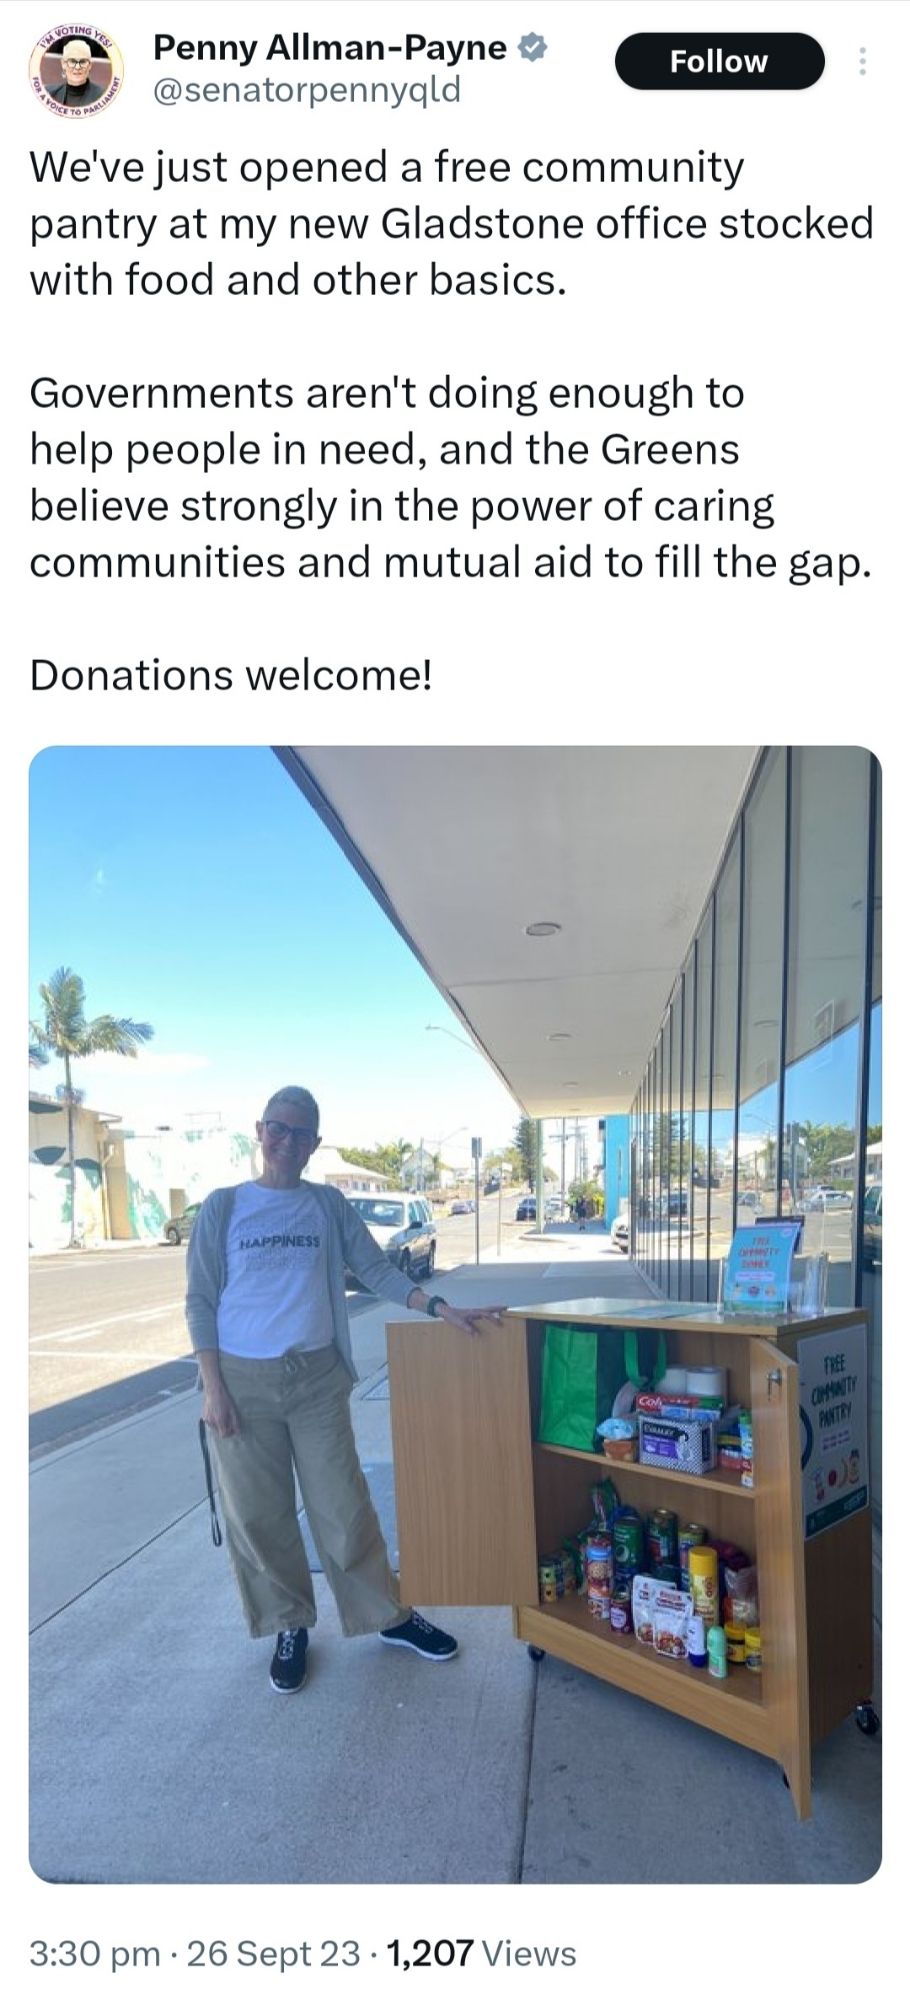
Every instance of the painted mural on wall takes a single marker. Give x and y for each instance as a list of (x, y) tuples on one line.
[(158, 1163), (144, 1174), (49, 1200)]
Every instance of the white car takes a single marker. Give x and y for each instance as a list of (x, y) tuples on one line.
[(619, 1232), (403, 1226), (829, 1198)]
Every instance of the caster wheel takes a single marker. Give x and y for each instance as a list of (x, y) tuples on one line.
[(867, 1720), (536, 1653)]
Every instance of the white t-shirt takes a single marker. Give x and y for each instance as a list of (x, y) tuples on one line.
[(277, 1293)]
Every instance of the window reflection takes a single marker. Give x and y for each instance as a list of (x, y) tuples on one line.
[(701, 1123), (723, 1073), (756, 1187), (828, 893), (763, 932)]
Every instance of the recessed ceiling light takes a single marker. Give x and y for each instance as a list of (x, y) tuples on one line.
[(541, 929), (573, 1084), (560, 1036)]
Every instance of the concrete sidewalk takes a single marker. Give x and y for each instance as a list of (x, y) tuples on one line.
[(159, 1753)]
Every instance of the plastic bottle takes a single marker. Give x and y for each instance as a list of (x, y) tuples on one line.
[(695, 1641), (717, 1653)]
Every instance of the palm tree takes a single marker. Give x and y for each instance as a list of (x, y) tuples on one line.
[(67, 1034)]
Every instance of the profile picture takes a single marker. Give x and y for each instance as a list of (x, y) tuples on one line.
[(75, 71)]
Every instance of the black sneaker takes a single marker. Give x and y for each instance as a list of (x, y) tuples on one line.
[(287, 1672), (421, 1637)]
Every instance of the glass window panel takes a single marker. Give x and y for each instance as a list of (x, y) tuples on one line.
[(872, 1191), (701, 1120), (652, 1191), (759, 1064), (649, 1187), (685, 1128), (665, 1157), (828, 889), (723, 1068), (673, 1031), (872, 1249)]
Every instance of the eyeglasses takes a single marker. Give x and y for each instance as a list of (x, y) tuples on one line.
[(76, 62), (300, 1134)]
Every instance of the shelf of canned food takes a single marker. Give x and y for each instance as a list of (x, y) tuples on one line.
[(687, 1596), (739, 1683), (717, 1481)]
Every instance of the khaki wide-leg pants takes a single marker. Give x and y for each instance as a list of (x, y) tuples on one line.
[(295, 1415)]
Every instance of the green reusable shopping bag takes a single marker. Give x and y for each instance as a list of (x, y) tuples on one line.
[(583, 1369)]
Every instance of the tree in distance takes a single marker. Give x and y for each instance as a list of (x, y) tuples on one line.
[(67, 1035)]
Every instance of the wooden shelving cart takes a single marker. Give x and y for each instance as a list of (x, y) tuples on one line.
[(479, 1502)]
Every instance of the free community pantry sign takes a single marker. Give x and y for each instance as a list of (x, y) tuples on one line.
[(833, 1425)]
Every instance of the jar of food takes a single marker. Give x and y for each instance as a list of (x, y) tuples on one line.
[(753, 1648), (736, 1644), (621, 1609), (599, 1600), (598, 1560)]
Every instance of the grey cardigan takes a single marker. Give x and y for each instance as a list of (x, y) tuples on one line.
[(349, 1245)]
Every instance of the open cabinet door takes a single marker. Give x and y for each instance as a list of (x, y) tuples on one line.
[(461, 1434), (781, 1563)]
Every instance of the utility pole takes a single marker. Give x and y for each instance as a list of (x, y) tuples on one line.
[(562, 1170)]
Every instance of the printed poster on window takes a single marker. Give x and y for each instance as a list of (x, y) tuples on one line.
[(757, 1274), (834, 1439)]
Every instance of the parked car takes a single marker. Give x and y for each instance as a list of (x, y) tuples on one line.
[(462, 1208), (180, 1226), (829, 1198), (527, 1209), (492, 1184), (403, 1227), (872, 1226), (619, 1232)]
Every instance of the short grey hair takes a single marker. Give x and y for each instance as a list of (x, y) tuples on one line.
[(293, 1093)]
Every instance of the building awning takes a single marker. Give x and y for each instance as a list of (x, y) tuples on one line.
[(467, 850)]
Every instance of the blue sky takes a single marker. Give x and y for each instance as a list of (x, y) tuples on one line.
[(196, 889)]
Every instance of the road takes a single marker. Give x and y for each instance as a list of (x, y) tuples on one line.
[(108, 1336)]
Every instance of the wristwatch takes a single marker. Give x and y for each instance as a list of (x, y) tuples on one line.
[(433, 1304)]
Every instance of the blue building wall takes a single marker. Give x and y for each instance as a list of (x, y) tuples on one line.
[(616, 1165)]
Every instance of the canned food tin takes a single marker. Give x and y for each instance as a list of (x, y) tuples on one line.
[(599, 1600), (703, 1583), (550, 1579), (628, 1539), (662, 1537), (621, 1610), (689, 1538), (666, 1573)]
